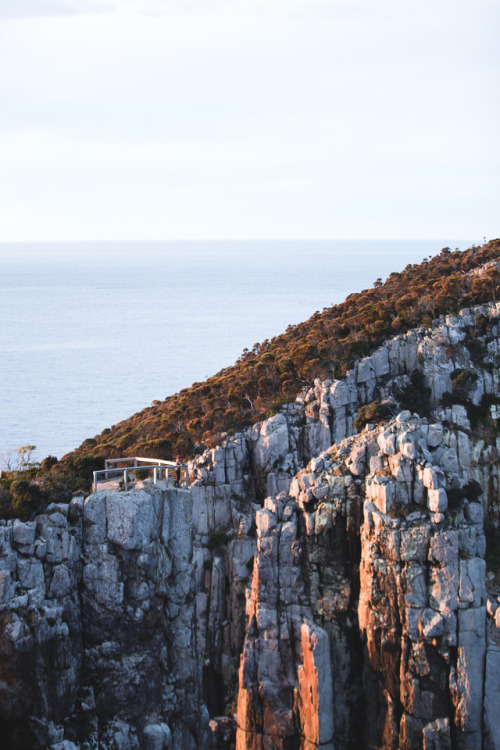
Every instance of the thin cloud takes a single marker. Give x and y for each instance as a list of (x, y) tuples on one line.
[(247, 118), (51, 8)]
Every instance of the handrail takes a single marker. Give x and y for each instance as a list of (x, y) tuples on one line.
[(159, 466), (136, 459)]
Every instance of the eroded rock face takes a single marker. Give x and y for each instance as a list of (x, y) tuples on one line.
[(398, 624), (97, 616), (271, 456), (330, 586)]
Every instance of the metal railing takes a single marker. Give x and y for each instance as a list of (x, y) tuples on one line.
[(156, 465)]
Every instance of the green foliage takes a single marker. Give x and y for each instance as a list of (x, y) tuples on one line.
[(374, 412), (461, 382), (276, 406), (481, 323), (477, 349), (48, 463), (141, 474), (26, 498), (416, 395), (25, 492), (25, 455), (83, 465)]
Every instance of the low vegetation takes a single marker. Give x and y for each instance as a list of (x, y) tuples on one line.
[(326, 345), (275, 371), (372, 413)]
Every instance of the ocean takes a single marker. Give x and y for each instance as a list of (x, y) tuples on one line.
[(93, 332)]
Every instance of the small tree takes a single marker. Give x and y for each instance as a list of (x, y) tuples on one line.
[(19, 459), (25, 455)]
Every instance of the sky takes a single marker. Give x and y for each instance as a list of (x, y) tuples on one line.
[(221, 119)]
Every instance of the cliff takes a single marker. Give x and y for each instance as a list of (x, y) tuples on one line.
[(327, 587)]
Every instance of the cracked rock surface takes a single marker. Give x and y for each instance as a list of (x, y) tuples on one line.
[(315, 587)]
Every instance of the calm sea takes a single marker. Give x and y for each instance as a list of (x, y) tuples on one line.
[(93, 332)]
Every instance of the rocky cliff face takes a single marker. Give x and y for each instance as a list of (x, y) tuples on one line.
[(97, 625), (328, 588), (368, 599)]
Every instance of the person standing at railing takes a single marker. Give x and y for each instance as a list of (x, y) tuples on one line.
[(178, 463)]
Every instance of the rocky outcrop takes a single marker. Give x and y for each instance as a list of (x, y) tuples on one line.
[(327, 587), (97, 623), (262, 461), (393, 629)]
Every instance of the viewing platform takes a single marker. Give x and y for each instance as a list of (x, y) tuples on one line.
[(159, 469)]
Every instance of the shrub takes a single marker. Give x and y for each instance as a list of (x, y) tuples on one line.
[(48, 463), (83, 465), (141, 474), (461, 382), (374, 412), (26, 498), (477, 350)]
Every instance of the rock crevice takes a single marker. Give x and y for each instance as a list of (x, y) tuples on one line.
[(326, 586)]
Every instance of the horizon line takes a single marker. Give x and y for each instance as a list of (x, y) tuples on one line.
[(248, 239)]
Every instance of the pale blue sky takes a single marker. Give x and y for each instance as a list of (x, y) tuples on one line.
[(164, 119)]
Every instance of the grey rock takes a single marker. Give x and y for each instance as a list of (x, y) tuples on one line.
[(171, 588), (437, 500), (435, 435), (467, 682), (436, 735), (474, 513), (23, 534), (129, 518), (491, 692)]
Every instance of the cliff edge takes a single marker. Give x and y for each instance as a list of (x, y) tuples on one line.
[(323, 583)]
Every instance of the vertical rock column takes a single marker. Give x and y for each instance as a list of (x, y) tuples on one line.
[(285, 693), (422, 612), (138, 594), (40, 622)]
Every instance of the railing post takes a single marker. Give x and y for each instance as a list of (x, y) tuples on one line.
[(187, 477), (125, 476), (95, 481), (155, 475)]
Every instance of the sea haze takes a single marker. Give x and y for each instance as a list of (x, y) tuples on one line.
[(93, 332)]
